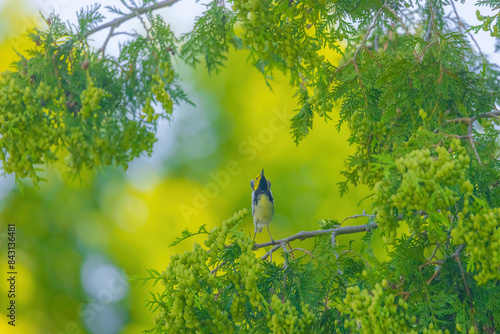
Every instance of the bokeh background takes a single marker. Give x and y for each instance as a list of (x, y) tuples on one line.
[(79, 242)]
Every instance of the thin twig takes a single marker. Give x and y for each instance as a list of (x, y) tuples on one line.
[(214, 271), (117, 22), (427, 37), (419, 57), (490, 114), (475, 42), (457, 252), (456, 256), (369, 30), (302, 250), (285, 267), (218, 294), (358, 216), (470, 121), (343, 65), (272, 250), (371, 55), (471, 142), (125, 33), (310, 234), (462, 25), (459, 23), (437, 262), (358, 255), (435, 251), (143, 23), (397, 17), (111, 31), (451, 135), (436, 272)]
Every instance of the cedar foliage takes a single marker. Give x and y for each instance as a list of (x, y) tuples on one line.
[(419, 100)]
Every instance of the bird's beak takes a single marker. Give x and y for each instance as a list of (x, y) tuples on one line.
[(262, 173)]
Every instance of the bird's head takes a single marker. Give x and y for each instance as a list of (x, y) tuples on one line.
[(260, 182)]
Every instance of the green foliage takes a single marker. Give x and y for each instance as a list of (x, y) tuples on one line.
[(408, 100), (479, 231), (330, 290), (420, 182), (419, 103), (211, 37), (69, 100)]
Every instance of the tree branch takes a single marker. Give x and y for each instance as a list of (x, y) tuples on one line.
[(461, 25), (430, 27), (111, 31), (369, 30), (397, 17), (214, 271), (470, 121), (117, 22), (359, 216), (490, 114), (456, 256), (470, 139), (310, 234), (302, 250), (272, 250)]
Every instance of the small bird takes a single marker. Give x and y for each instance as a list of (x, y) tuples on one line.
[(262, 203)]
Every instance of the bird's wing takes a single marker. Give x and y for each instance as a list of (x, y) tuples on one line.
[(253, 201)]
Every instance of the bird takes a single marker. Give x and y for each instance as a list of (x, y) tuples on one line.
[(262, 203)]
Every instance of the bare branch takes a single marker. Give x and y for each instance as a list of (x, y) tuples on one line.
[(437, 262), (214, 271), (457, 252), (427, 37), (310, 234), (471, 142), (419, 57), (470, 121), (358, 216), (272, 250), (117, 22), (369, 30), (436, 272), (459, 23), (397, 17), (343, 65), (491, 114), (435, 251), (302, 250), (475, 42), (111, 31), (456, 256)]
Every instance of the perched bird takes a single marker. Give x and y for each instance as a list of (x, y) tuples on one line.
[(262, 203)]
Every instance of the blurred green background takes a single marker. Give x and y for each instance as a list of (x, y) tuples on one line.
[(79, 242)]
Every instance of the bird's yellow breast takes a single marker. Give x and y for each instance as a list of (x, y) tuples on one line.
[(264, 210)]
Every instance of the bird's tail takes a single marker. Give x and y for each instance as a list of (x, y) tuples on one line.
[(258, 228)]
